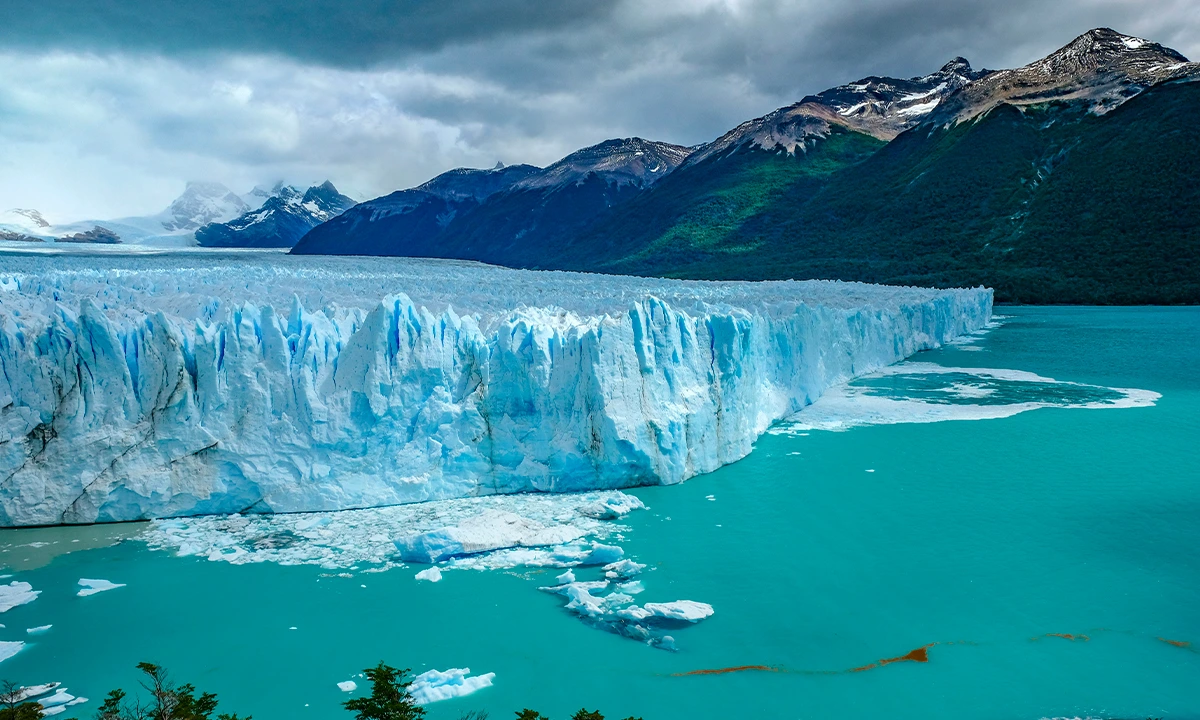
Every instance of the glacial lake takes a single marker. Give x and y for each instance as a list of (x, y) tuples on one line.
[(1043, 564)]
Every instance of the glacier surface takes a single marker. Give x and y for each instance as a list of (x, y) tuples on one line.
[(195, 383)]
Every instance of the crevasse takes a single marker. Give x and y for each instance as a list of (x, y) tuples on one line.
[(139, 391)]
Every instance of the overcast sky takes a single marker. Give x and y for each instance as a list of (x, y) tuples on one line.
[(108, 107)]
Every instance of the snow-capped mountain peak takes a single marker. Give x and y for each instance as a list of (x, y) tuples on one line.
[(202, 203), (622, 161), (1101, 67), (27, 217), (879, 106), (281, 220)]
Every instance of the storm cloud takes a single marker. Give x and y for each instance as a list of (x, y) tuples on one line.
[(108, 107)]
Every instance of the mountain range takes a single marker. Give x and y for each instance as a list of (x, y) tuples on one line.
[(277, 217), (283, 218), (1070, 179)]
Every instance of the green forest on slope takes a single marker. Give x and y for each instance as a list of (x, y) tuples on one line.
[(1047, 204)]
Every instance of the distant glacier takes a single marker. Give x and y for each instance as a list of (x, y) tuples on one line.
[(150, 386)]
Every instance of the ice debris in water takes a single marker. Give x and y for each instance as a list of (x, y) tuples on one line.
[(16, 593), (565, 578), (272, 385), (623, 569), (685, 610), (920, 392), (347, 686), (434, 685), (91, 587), (10, 648), (343, 539), (32, 691), (489, 531), (432, 574), (38, 630), (617, 613)]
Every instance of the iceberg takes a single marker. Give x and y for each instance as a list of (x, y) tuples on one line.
[(432, 574), (434, 685), (147, 386), (91, 587), (347, 686), (16, 593), (30, 691), (8, 648), (683, 610)]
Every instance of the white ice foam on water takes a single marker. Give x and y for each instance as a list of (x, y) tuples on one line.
[(38, 630), (8, 648), (853, 405), (435, 685), (347, 686), (16, 593), (432, 574), (91, 587), (348, 538), (156, 386)]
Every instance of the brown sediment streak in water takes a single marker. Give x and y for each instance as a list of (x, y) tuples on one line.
[(1176, 643), (920, 655), (722, 671), (1069, 636)]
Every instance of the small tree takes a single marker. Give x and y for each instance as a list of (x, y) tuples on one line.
[(390, 697), (13, 707), (528, 714), (584, 714), (167, 701)]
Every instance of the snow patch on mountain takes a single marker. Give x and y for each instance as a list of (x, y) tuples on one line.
[(1102, 67)]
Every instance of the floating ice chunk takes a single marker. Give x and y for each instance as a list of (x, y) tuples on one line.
[(583, 602), (38, 630), (435, 685), (432, 574), (613, 507), (623, 569), (33, 691), (489, 531), (91, 587), (10, 648), (54, 710), (633, 587), (666, 642), (566, 578), (16, 593), (685, 610), (602, 555), (347, 686), (61, 697), (77, 701)]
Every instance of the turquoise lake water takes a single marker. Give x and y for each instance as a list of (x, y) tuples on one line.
[(981, 541)]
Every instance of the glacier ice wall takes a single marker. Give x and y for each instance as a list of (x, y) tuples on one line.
[(137, 387)]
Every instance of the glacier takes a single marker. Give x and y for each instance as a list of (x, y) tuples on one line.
[(175, 384)]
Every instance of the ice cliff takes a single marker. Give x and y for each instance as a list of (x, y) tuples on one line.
[(147, 386)]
